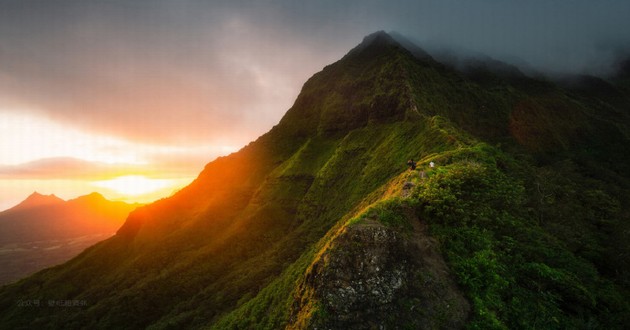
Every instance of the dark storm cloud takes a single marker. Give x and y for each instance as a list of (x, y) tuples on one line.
[(160, 71), (225, 71)]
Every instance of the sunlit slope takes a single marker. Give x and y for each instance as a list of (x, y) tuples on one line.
[(234, 249)]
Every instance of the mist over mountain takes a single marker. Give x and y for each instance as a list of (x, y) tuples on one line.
[(43, 231), (515, 217), (205, 60)]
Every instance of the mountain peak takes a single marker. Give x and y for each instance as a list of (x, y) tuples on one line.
[(363, 87), (36, 200), (90, 198), (95, 195), (380, 41), (378, 37), (373, 43), (35, 194)]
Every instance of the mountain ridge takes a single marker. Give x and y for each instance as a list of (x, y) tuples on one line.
[(244, 244), (43, 231), (36, 200)]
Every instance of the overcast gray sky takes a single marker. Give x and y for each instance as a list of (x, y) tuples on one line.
[(193, 71), (217, 74)]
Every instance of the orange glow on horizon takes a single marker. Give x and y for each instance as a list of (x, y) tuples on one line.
[(39, 154), (135, 185)]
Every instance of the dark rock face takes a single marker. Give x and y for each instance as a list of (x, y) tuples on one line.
[(377, 277)]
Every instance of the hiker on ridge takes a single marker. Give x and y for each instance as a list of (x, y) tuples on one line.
[(411, 164)]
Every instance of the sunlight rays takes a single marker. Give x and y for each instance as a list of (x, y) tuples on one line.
[(135, 185)]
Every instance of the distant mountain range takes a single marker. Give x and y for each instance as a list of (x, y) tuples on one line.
[(517, 216), (44, 231)]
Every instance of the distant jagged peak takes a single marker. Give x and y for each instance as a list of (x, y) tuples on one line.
[(36, 200), (37, 197)]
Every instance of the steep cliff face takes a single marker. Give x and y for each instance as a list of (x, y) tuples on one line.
[(304, 227), (375, 276)]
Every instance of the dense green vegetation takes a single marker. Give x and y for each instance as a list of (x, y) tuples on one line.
[(515, 272), (528, 201)]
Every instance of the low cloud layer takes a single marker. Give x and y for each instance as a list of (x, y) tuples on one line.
[(224, 72), (68, 168), (61, 168)]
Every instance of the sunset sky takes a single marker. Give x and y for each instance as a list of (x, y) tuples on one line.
[(133, 98)]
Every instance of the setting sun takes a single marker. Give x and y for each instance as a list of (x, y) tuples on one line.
[(134, 185)]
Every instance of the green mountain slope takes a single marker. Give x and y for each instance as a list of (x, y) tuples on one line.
[(318, 224)]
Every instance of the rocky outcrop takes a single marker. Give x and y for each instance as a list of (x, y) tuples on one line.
[(372, 276)]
